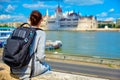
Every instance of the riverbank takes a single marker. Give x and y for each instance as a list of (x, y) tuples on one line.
[(101, 62), (87, 60), (4, 70), (91, 30)]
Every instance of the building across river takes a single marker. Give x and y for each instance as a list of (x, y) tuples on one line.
[(69, 21)]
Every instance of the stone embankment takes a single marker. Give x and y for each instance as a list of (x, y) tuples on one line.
[(5, 75)]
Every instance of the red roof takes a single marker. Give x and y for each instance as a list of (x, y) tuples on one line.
[(59, 10)]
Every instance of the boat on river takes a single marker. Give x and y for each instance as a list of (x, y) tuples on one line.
[(52, 45), (4, 34)]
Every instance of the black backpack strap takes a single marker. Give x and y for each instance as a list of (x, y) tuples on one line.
[(39, 29), (25, 24), (32, 65), (33, 57)]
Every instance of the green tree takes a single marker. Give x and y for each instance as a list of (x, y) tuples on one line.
[(5, 25), (117, 26)]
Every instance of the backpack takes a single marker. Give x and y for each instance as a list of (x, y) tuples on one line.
[(16, 51)]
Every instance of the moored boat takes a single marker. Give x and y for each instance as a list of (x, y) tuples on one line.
[(3, 37), (51, 45)]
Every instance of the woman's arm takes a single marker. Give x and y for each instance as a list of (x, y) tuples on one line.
[(41, 46)]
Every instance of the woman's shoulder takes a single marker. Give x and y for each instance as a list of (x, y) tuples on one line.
[(40, 32)]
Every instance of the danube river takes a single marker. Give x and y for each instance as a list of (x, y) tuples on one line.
[(95, 44)]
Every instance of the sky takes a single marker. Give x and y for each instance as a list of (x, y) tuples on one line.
[(19, 10)]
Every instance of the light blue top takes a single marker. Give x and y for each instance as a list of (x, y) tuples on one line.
[(39, 62)]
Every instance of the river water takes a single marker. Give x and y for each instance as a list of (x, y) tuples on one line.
[(95, 44)]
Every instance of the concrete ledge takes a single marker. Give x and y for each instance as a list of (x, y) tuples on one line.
[(5, 75), (64, 76)]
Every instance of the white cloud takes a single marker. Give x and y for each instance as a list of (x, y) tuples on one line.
[(103, 14), (10, 8), (106, 19), (111, 10), (84, 2), (3, 17), (107, 16), (12, 18), (100, 19), (38, 5), (19, 18), (109, 19)]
